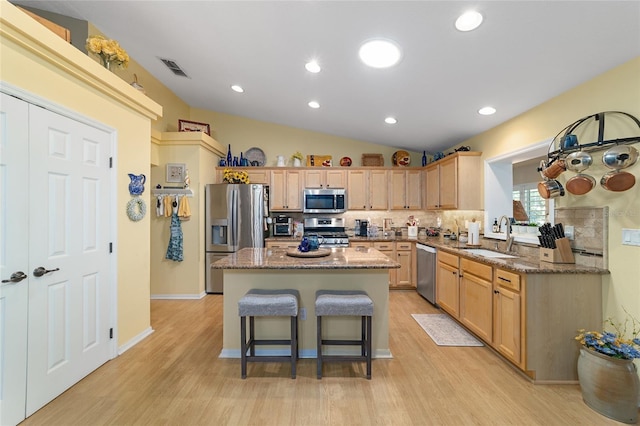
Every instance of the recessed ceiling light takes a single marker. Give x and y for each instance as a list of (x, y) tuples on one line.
[(469, 21), (390, 120), (487, 110), (312, 66), (314, 104), (237, 88), (379, 53)]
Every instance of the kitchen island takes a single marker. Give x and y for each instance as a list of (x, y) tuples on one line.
[(342, 269)]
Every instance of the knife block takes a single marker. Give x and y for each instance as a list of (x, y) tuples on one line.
[(561, 254)]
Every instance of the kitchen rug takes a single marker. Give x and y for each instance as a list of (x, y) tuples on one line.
[(444, 331)]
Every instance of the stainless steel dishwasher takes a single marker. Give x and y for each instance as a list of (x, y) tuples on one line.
[(426, 260)]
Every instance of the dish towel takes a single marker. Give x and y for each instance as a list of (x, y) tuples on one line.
[(174, 251), (184, 210), (167, 206)]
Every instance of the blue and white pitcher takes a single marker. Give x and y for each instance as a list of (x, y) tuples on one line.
[(136, 187)]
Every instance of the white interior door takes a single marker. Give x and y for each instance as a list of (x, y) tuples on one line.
[(69, 221), (14, 257)]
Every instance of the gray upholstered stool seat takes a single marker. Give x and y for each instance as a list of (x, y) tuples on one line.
[(268, 303), (344, 303)]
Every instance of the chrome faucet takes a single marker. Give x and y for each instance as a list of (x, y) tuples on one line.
[(509, 238)]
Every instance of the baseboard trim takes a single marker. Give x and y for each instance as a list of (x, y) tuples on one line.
[(137, 339), (178, 296)]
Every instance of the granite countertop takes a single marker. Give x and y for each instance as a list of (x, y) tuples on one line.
[(522, 263), (339, 258)]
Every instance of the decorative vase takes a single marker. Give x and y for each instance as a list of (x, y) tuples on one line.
[(424, 158), (106, 62), (229, 157), (609, 385), (136, 186), (297, 162)]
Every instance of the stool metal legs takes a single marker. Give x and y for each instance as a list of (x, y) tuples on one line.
[(364, 343), (250, 346)]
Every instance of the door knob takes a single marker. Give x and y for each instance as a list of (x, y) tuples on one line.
[(40, 271), (16, 277)]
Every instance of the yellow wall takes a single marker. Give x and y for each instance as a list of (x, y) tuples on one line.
[(37, 61), (173, 108), (199, 153), (274, 139), (619, 90)]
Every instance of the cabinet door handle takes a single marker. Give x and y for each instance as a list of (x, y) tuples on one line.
[(496, 292), (504, 279)]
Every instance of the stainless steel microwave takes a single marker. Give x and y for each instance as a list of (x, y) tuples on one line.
[(324, 200)]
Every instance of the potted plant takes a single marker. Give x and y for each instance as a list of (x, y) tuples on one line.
[(532, 228), (606, 372), (231, 176), (296, 159)]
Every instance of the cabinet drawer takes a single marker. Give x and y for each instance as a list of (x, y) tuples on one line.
[(448, 258), (383, 246), (478, 269), (403, 246), (508, 279), (359, 244)]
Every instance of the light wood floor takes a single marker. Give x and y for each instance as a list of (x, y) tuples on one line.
[(174, 377)]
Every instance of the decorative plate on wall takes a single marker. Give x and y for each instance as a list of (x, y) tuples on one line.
[(345, 161), (255, 156), (401, 158)]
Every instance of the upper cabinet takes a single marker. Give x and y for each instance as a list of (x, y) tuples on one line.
[(367, 190), (285, 192), (405, 191), (325, 178), (454, 182)]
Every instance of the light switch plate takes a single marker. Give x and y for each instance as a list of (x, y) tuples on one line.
[(630, 237)]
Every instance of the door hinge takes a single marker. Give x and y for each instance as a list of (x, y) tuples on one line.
[(111, 162), (110, 247), (111, 333)]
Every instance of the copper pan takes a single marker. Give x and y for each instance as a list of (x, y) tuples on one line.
[(618, 181), (554, 170), (580, 184)]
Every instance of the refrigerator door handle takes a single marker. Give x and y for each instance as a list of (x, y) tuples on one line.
[(234, 218)]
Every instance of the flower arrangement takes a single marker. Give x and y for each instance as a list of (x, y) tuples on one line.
[(297, 155), (231, 176), (108, 50), (614, 343)]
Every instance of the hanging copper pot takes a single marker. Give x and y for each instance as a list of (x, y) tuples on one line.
[(550, 189), (618, 181), (554, 170), (580, 184)]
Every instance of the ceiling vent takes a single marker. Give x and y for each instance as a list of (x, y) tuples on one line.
[(174, 67)]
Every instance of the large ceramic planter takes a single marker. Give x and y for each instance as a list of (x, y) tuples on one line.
[(610, 386)]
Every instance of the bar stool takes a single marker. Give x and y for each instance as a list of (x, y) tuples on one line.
[(345, 303), (267, 303)]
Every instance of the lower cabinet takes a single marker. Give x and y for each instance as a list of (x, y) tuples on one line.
[(530, 319), (406, 257), (282, 244), (476, 298), (448, 283)]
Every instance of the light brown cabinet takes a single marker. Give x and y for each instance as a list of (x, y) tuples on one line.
[(255, 174), (530, 319), (448, 283), (285, 192), (507, 318), (282, 244), (405, 190), (388, 248), (454, 182), (367, 190), (360, 244), (476, 298), (406, 257), (325, 178)]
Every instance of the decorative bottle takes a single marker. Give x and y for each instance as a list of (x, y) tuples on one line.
[(229, 157), (424, 158)]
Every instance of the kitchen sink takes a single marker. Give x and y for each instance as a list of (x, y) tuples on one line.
[(489, 253)]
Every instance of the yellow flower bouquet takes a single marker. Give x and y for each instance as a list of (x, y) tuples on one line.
[(231, 176), (109, 51)]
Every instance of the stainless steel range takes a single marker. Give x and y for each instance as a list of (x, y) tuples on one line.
[(330, 229)]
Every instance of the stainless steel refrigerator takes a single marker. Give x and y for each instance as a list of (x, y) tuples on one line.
[(235, 218)]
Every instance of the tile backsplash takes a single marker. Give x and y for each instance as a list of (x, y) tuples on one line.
[(591, 233)]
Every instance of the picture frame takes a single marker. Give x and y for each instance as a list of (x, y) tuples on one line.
[(193, 126), (176, 172)]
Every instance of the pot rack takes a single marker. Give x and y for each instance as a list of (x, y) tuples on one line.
[(557, 151)]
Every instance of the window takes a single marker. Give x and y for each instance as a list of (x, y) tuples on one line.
[(534, 205)]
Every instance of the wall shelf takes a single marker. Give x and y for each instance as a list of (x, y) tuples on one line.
[(172, 191)]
